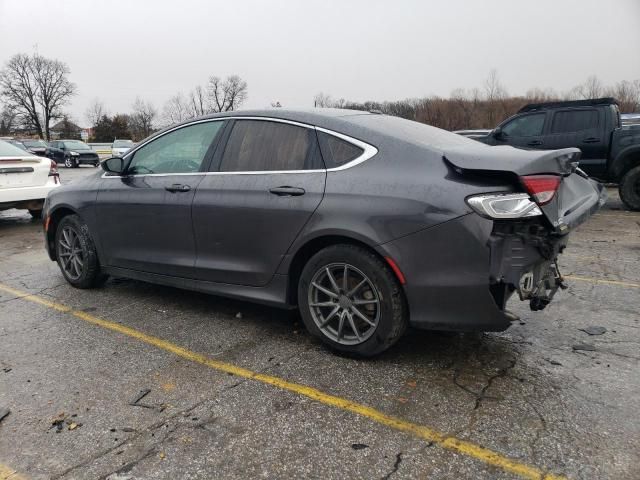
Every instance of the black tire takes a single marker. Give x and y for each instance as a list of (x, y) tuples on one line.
[(393, 312), (629, 188), (35, 213), (90, 275)]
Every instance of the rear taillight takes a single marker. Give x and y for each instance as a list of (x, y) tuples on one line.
[(53, 171), (541, 187)]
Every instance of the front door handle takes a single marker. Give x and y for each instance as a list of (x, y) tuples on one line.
[(177, 187), (591, 140), (535, 143), (287, 191)]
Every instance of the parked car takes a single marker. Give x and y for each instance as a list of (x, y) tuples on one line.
[(17, 143), (72, 153), (25, 179), (39, 147), (120, 147), (365, 222), (610, 150)]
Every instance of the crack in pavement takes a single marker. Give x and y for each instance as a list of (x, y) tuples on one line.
[(396, 466)]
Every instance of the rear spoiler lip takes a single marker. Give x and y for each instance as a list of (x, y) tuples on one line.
[(513, 160)]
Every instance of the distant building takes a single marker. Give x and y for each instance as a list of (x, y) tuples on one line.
[(65, 129)]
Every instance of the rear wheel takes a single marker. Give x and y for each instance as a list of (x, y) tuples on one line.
[(629, 188), (351, 300), (76, 253)]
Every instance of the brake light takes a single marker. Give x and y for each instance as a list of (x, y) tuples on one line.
[(541, 187), (53, 171)]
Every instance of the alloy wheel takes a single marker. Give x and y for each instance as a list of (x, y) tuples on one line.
[(67, 163), (71, 253), (344, 303)]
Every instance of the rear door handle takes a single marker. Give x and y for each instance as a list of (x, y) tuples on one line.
[(287, 191), (591, 140), (177, 187), (535, 143)]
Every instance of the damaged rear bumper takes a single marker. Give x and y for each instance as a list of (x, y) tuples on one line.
[(460, 274)]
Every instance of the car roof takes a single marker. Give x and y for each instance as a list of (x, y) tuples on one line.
[(366, 126), (569, 103)]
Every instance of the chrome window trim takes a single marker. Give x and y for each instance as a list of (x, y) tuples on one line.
[(368, 150)]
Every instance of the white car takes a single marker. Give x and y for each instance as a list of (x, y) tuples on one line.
[(120, 147), (25, 179)]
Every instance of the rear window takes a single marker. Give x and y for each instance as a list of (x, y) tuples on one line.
[(8, 150), (258, 145), (337, 152), (574, 121)]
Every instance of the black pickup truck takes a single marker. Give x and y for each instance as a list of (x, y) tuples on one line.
[(610, 151)]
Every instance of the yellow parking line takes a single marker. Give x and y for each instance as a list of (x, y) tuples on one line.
[(604, 282), (8, 473), (485, 455)]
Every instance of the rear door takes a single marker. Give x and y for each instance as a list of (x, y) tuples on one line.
[(582, 128), (144, 216), (524, 131), (262, 190)]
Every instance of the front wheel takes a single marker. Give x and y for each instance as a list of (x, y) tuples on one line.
[(70, 162), (76, 253), (352, 301), (629, 188)]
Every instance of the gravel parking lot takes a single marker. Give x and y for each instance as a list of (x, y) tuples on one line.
[(236, 390)]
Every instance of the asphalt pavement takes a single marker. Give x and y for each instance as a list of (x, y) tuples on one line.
[(137, 381)]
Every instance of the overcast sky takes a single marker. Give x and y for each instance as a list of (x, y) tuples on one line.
[(288, 51)]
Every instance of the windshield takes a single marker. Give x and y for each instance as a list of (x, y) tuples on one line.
[(9, 150), (76, 145), (122, 144), (34, 143)]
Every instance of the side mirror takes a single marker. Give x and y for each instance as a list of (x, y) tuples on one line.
[(498, 133), (61, 147), (114, 165)]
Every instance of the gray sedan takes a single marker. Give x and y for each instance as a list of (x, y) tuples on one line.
[(367, 223)]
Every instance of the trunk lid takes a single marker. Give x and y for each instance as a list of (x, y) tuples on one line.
[(23, 171), (577, 197)]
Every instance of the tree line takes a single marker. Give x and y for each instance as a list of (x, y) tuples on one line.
[(34, 91), (486, 106)]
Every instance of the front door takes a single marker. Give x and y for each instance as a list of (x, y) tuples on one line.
[(524, 131), (144, 216), (247, 212)]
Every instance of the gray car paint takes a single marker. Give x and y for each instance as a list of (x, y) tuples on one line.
[(407, 202)]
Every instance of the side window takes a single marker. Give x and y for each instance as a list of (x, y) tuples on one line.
[(180, 151), (337, 152), (574, 121), (261, 145), (526, 126)]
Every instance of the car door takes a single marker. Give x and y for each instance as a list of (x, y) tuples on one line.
[(144, 216), (264, 187), (582, 128), (55, 152), (523, 131)]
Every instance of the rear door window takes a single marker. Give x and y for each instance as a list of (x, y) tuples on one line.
[(569, 121), (336, 151), (262, 145), (525, 126)]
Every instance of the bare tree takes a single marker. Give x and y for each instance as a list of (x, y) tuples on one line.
[(19, 91), (226, 95), (322, 100), (495, 93), (175, 110), (94, 112), (37, 88), (141, 120), (627, 94), (591, 88), (7, 120), (54, 88), (199, 103)]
